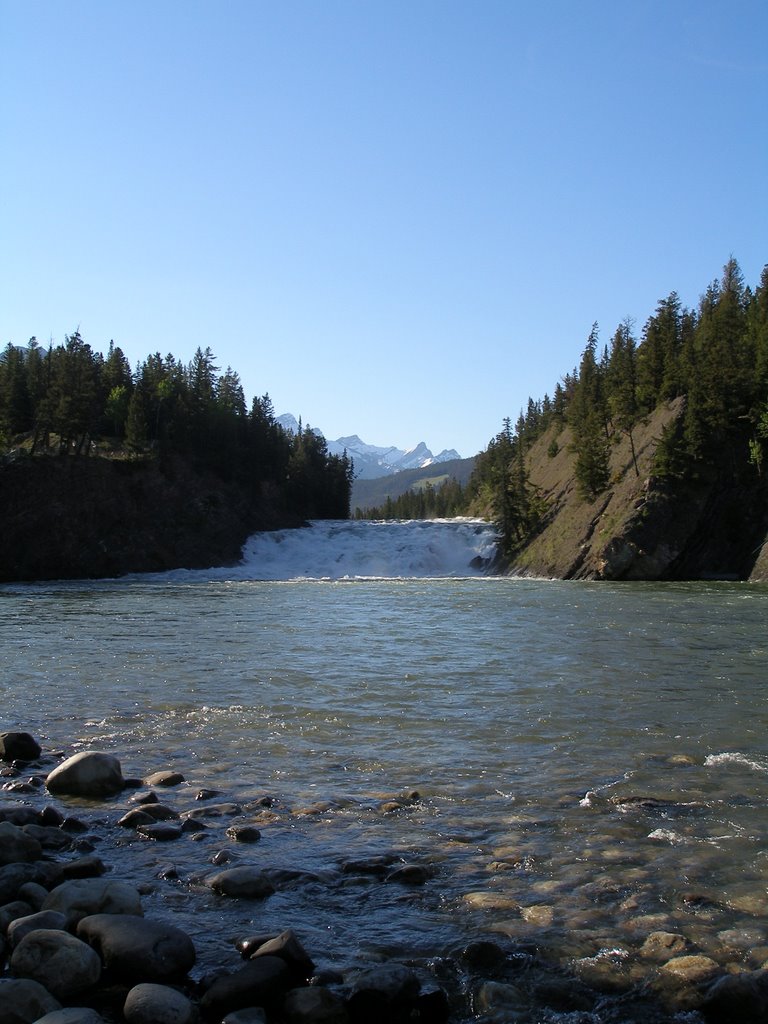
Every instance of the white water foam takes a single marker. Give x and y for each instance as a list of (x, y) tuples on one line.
[(735, 757), (356, 550)]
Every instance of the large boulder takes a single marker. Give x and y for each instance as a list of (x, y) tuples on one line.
[(18, 746), (23, 1001), (60, 962), (89, 773), (135, 949), (16, 846), (83, 897)]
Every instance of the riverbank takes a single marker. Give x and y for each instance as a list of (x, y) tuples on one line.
[(104, 852)]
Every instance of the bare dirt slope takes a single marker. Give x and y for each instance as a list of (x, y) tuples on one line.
[(641, 527)]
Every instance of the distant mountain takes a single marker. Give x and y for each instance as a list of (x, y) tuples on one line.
[(373, 461)]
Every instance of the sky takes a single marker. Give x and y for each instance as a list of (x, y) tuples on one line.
[(399, 218)]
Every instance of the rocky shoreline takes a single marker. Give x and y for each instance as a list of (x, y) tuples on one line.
[(78, 948)]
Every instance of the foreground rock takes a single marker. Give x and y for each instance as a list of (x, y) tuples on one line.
[(89, 773), (60, 962), (23, 1001), (136, 949)]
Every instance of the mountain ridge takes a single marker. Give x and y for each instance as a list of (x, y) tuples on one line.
[(373, 461)]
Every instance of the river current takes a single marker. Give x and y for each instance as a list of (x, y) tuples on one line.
[(577, 765)]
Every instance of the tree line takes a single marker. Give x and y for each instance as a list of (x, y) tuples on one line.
[(714, 358), (444, 501), (70, 400)]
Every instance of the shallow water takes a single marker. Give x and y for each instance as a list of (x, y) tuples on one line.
[(530, 716)]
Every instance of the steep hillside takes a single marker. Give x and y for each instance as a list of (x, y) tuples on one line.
[(643, 528)]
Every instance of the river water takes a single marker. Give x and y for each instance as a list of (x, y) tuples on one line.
[(590, 759)]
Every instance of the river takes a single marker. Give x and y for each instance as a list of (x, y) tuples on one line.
[(590, 758)]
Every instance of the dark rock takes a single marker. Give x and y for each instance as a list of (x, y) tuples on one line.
[(84, 867), (19, 814), (737, 998), (18, 746), (51, 816), (33, 893), (13, 876), (244, 833), (16, 846), (149, 1003), (314, 1006), (62, 963), (483, 956), (244, 881), (288, 948), (132, 819), (225, 810), (72, 1015), (207, 794), (193, 827), (73, 825), (382, 994), (12, 912), (144, 798), (21, 926), (84, 897), (136, 949), (164, 778), (50, 837), (160, 831), (378, 867), (410, 874), (260, 983), (23, 1001)]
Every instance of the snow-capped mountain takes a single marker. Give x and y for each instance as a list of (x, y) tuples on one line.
[(372, 460)]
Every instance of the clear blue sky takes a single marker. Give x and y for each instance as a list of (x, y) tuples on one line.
[(398, 218)]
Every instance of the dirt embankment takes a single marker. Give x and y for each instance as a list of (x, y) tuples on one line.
[(77, 518), (641, 527)]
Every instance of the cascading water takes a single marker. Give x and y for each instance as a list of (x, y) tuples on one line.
[(344, 549)]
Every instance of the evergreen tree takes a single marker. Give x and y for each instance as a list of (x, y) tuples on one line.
[(588, 418)]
